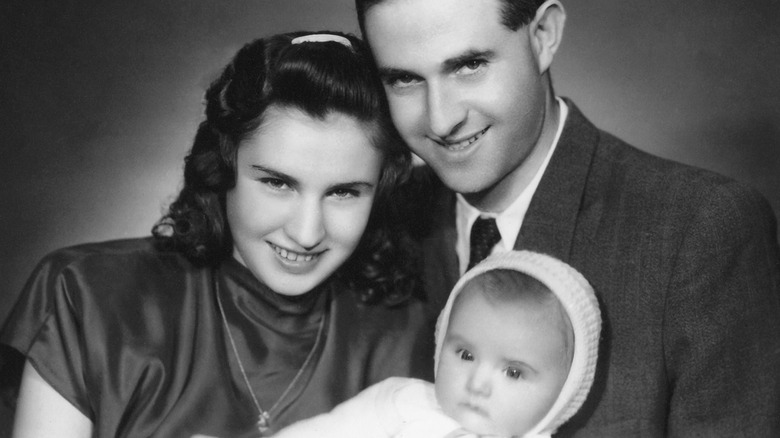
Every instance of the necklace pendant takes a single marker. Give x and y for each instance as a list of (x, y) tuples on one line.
[(262, 422)]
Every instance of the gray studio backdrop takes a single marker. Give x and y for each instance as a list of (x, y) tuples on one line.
[(99, 100)]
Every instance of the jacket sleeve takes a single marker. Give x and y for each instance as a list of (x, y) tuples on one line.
[(722, 320)]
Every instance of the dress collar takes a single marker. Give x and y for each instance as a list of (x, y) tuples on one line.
[(257, 299)]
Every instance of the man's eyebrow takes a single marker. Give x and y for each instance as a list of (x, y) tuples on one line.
[(456, 62)]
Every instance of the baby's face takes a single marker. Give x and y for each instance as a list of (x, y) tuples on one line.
[(502, 365)]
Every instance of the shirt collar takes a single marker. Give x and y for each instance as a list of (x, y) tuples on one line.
[(509, 220)]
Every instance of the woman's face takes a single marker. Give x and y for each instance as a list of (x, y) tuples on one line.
[(303, 194)]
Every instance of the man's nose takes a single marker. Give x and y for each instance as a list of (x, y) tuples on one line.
[(446, 114)]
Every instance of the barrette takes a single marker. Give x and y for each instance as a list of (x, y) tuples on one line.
[(321, 38)]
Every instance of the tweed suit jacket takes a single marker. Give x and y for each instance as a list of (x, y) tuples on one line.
[(686, 267)]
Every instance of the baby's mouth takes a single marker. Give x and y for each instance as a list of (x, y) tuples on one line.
[(474, 408)]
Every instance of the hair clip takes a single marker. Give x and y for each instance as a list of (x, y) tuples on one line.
[(321, 38)]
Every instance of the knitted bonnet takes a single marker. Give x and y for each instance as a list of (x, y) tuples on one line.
[(578, 300)]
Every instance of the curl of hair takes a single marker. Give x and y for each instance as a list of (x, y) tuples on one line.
[(317, 79)]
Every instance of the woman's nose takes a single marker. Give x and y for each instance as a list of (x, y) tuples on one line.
[(306, 225)]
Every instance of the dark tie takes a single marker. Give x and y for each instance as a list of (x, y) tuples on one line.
[(484, 236)]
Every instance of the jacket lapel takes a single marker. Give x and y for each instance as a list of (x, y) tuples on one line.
[(551, 219), (549, 224)]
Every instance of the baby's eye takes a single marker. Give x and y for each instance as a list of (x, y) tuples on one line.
[(465, 355), (275, 183), (513, 373)]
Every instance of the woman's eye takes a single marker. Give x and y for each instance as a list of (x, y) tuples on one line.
[(465, 355), (401, 81), (345, 193), (274, 183), (513, 373)]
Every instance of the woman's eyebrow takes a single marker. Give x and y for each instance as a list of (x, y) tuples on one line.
[(292, 181), (353, 185), (275, 173), (391, 72)]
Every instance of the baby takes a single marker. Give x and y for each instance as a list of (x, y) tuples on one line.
[(516, 348)]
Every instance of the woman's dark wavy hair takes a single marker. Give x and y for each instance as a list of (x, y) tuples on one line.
[(317, 78)]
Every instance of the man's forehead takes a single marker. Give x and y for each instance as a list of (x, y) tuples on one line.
[(434, 15), (434, 30)]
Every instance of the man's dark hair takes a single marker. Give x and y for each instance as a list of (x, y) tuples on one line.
[(514, 13)]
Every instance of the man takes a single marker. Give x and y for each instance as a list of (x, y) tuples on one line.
[(685, 262)]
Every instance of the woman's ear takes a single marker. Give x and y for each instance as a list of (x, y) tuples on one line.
[(546, 32)]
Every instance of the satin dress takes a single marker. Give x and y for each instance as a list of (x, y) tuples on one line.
[(133, 337)]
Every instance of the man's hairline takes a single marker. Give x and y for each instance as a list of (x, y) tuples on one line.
[(364, 33)]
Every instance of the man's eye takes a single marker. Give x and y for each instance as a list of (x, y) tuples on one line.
[(465, 355), (513, 373), (471, 66)]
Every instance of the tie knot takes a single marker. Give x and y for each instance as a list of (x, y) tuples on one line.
[(484, 236)]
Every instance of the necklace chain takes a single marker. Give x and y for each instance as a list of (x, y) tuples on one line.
[(263, 416)]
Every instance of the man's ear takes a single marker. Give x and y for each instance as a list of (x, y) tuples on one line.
[(546, 32)]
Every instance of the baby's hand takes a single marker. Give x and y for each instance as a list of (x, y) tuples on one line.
[(463, 433)]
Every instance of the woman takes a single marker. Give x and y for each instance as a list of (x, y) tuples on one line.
[(259, 300)]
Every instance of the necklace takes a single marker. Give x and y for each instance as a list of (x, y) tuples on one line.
[(263, 416)]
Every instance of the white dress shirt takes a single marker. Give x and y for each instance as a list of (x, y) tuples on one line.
[(509, 220)]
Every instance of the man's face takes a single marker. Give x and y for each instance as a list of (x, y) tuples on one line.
[(465, 92)]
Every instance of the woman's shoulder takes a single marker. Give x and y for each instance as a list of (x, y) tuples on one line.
[(120, 259), (109, 275), (133, 248), (102, 285)]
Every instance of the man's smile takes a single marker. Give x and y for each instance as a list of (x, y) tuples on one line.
[(456, 145)]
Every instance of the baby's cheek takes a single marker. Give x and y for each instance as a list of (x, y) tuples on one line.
[(445, 386)]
